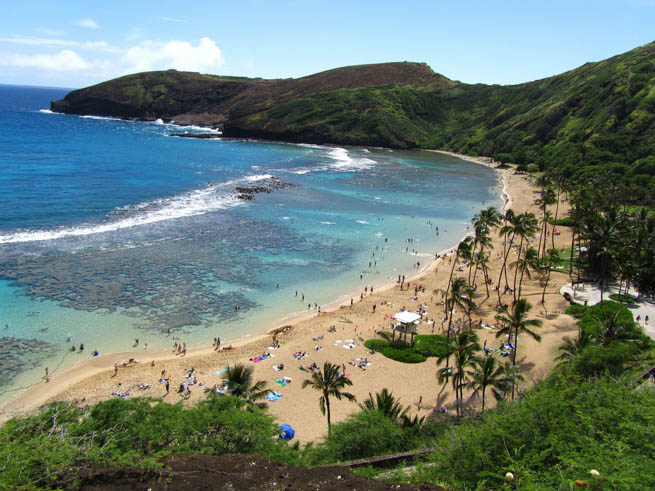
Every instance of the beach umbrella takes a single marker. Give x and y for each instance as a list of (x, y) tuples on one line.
[(286, 432)]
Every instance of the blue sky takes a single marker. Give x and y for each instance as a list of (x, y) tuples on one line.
[(73, 43)]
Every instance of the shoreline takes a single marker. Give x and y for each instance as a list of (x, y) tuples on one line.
[(27, 401), (87, 382)]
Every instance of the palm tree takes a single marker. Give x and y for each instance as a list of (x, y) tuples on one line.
[(240, 384), (525, 227), (385, 403), (573, 347), (515, 322), (507, 231), (483, 222), (508, 381), (464, 251), (460, 294), (487, 373), (530, 260), (547, 198), (330, 383), (613, 327), (463, 348), (558, 180), (546, 266), (483, 261)]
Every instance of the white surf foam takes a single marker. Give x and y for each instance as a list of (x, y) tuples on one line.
[(104, 118), (363, 222), (46, 111), (327, 223), (210, 198)]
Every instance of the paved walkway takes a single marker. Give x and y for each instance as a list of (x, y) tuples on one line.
[(590, 292)]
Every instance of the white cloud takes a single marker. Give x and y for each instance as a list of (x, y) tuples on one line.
[(88, 23), (171, 19), (63, 61), (49, 32), (180, 55), (33, 41)]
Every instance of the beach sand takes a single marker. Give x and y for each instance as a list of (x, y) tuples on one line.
[(93, 381)]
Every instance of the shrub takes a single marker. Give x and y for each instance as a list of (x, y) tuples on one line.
[(598, 360), (431, 345), (565, 222), (576, 310), (622, 298), (425, 345), (364, 434), (376, 344)]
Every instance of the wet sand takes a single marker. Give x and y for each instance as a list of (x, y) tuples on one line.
[(93, 380)]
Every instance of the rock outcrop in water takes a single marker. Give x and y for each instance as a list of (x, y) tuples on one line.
[(266, 186)]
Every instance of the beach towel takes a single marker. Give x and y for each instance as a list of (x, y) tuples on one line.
[(273, 396)]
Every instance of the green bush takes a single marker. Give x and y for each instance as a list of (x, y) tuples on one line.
[(50, 448), (431, 345), (376, 344), (553, 435), (576, 310), (622, 298), (404, 354), (364, 434), (598, 360), (425, 345), (565, 222)]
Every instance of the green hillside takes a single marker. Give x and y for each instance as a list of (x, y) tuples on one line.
[(600, 116)]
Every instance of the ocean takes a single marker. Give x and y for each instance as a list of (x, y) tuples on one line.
[(114, 230)]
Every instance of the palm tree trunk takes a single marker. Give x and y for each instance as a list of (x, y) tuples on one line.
[(543, 294), (450, 322), (571, 257), (484, 389), (559, 193), (486, 281), (450, 279), (504, 268), (516, 272), (327, 407)]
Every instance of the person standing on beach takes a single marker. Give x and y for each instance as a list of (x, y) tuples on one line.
[(115, 369), (168, 385)]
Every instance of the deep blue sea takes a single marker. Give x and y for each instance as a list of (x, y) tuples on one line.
[(112, 230)]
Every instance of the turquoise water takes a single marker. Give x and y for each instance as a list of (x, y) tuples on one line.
[(112, 230)]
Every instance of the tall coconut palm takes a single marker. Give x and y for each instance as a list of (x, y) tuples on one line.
[(460, 293), (385, 403), (547, 199), (508, 232), (487, 373), (515, 322), (483, 223), (240, 384), (464, 249), (558, 181), (483, 261), (529, 260), (525, 227), (464, 347), (330, 383), (546, 265)]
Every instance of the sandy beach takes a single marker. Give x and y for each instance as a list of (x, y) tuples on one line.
[(336, 335)]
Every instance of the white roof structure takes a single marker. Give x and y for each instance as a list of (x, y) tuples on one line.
[(406, 317)]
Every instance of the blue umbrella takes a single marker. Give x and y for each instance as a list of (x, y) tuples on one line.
[(286, 432)]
